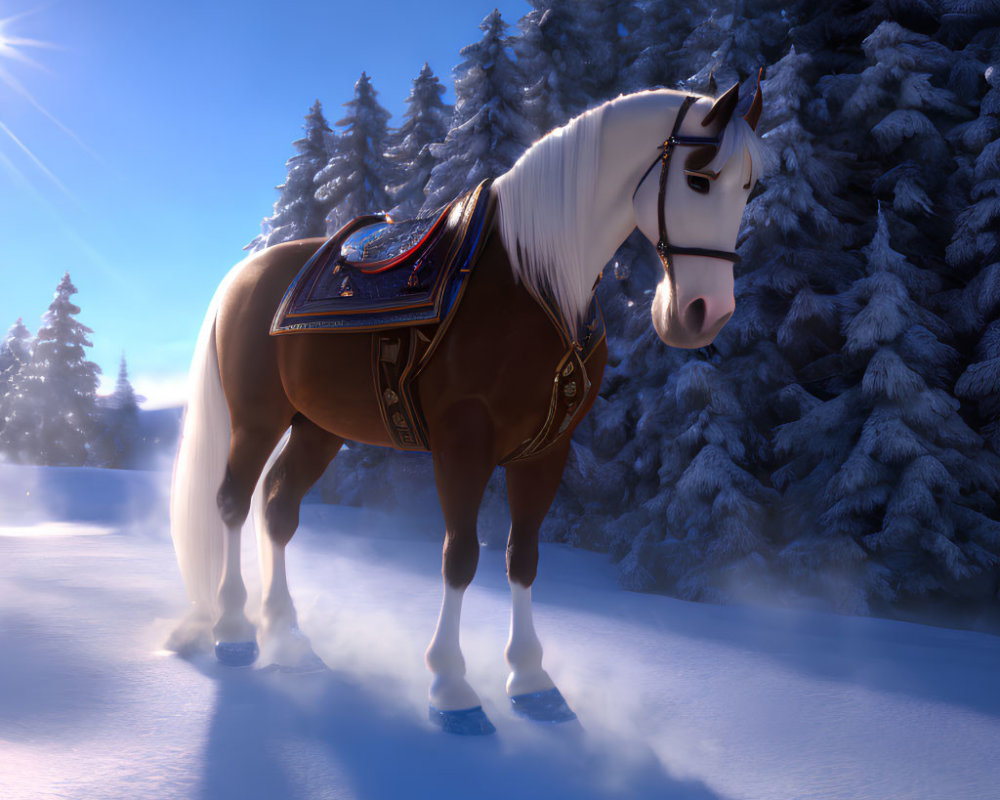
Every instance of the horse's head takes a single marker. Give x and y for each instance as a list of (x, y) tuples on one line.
[(690, 204)]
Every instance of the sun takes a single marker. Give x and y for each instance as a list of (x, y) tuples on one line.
[(12, 46), (12, 49)]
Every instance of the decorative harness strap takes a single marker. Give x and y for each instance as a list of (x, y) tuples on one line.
[(399, 355), (571, 385)]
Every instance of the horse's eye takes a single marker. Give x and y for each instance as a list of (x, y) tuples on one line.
[(698, 183)]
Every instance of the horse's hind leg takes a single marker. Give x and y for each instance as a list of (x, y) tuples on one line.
[(249, 448), (531, 487), (463, 462), (296, 469)]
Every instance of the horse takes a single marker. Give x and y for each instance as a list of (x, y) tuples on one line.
[(276, 409)]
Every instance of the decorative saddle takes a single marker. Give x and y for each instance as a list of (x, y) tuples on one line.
[(402, 282), (375, 274)]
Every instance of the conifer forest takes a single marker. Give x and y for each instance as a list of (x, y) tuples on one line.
[(838, 446)]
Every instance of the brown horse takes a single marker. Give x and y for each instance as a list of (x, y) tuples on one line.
[(563, 209)]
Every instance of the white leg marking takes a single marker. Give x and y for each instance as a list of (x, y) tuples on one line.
[(278, 608), (233, 626), (281, 641), (449, 689), (524, 651)]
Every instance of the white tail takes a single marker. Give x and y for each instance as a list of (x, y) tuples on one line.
[(195, 524)]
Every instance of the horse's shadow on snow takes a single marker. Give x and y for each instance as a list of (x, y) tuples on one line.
[(328, 734)]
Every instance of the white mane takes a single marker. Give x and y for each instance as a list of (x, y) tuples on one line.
[(546, 204), (544, 200)]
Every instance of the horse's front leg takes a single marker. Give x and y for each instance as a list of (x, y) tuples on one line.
[(531, 488), (463, 462)]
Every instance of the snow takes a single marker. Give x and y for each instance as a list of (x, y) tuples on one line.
[(676, 700)]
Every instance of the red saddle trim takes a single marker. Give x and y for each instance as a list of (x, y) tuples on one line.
[(375, 267)]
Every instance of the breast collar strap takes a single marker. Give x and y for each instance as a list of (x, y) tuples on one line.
[(664, 248)]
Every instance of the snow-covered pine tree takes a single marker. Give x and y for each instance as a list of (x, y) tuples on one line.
[(604, 29), (975, 250), (733, 41), (904, 492), (354, 180), (15, 352), (538, 54), (707, 535), (118, 443), (785, 335), (489, 129), (426, 122), (555, 57), (706, 50), (51, 410), (657, 47), (787, 292), (297, 213), (895, 99)]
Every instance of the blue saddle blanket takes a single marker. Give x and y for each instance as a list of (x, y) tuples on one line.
[(374, 274)]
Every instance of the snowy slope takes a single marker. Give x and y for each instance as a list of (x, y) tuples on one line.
[(676, 700)]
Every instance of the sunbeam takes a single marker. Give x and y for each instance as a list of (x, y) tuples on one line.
[(18, 87), (37, 162), (11, 49)]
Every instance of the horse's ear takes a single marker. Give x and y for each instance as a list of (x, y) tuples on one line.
[(723, 108), (753, 115)]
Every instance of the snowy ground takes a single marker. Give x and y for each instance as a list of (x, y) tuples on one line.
[(676, 700)]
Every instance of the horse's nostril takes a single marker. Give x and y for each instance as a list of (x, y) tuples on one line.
[(694, 315)]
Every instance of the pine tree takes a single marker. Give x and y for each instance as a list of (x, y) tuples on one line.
[(297, 213), (489, 130), (904, 494), (975, 249), (896, 99), (787, 320), (540, 59), (573, 56), (426, 123), (52, 404), (734, 41), (708, 533), (119, 441), (15, 352), (657, 44), (604, 30), (354, 180)]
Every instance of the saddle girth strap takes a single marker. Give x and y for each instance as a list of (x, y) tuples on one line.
[(400, 354), (571, 385)]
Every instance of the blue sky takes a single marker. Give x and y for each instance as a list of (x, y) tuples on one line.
[(150, 136)]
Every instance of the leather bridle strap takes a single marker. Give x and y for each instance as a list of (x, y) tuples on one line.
[(664, 248), (663, 245)]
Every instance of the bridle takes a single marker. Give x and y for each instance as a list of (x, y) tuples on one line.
[(664, 248)]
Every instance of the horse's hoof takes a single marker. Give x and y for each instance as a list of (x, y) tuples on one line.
[(236, 654), (545, 706), (467, 722)]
